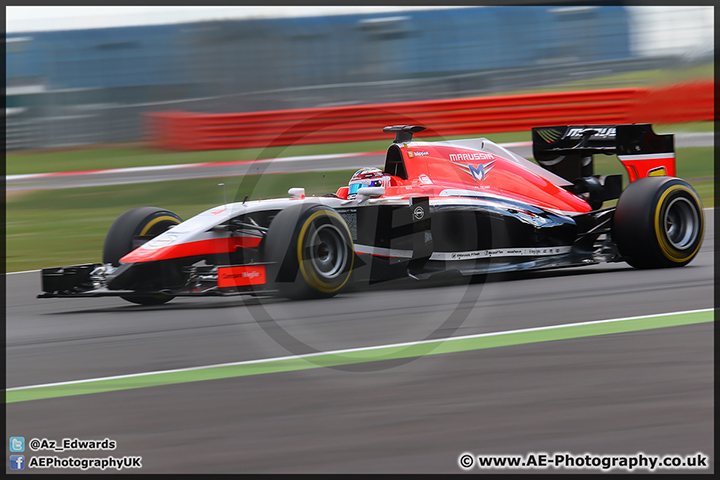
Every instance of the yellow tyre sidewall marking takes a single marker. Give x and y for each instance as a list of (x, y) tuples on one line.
[(671, 253), (155, 221), (310, 276)]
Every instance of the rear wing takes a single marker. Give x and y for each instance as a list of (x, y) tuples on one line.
[(567, 150)]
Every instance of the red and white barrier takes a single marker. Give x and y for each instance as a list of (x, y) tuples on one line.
[(468, 116)]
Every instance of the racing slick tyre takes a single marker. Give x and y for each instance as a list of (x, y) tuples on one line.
[(658, 223), (311, 251), (130, 230)]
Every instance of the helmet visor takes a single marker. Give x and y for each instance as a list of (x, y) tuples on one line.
[(353, 188)]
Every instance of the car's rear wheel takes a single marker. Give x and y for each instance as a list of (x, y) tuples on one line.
[(312, 252), (658, 223), (130, 230)]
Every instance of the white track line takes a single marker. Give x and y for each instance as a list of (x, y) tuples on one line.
[(186, 165), (355, 350), (195, 165)]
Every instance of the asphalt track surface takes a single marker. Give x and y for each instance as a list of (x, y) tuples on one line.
[(647, 391), (268, 166)]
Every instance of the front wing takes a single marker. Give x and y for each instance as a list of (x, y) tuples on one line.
[(88, 280)]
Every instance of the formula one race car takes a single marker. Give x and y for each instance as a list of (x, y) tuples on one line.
[(469, 207)]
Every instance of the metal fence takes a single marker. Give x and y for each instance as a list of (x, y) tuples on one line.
[(93, 86)]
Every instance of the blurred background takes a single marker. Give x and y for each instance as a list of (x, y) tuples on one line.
[(85, 76)]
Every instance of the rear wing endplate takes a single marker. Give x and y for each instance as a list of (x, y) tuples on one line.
[(567, 150)]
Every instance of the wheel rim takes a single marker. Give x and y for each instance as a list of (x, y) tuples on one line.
[(681, 223), (327, 251)]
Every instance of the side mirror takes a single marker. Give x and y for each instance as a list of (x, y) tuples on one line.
[(371, 192), (297, 192)]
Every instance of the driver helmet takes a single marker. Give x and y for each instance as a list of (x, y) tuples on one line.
[(365, 177)]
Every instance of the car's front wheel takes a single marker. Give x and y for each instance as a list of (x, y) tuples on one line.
[(130, 230), (311, 251)]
